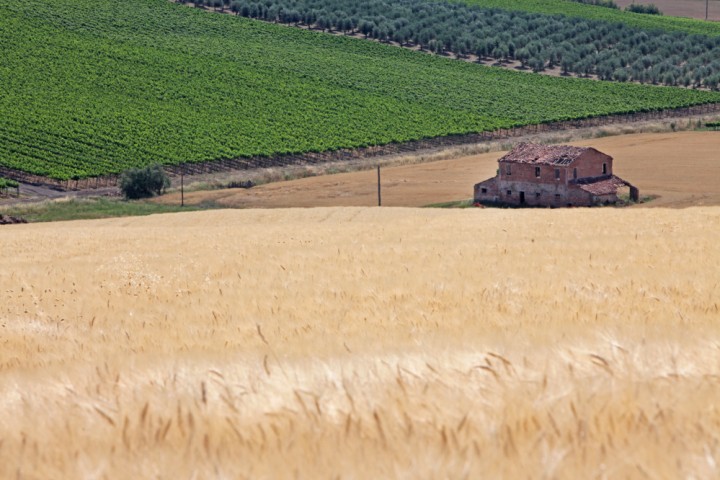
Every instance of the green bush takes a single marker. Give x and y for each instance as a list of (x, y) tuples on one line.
[(7, 183), (599, 3), (646, 9), (144, 182)]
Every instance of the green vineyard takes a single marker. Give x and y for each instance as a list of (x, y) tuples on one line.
[(94, 87)]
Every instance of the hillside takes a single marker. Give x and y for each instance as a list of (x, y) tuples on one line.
[(362, 343), (682, 8), (526, 40), (94, 87), (592, 12)]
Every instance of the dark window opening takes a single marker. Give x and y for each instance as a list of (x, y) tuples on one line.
[(507, 170), (483, 190), (509, 192), (537, 194), (537, 172), (557, 174), (604, 168), (575, 173)]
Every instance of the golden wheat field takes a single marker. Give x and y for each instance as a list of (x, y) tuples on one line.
[(363, 343)]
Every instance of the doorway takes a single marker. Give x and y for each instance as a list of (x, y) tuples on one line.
[(522, 198)]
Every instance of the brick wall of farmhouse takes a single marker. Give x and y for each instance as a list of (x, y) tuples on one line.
[(537, 194), (526, 172), (544, 190), (590, 164)]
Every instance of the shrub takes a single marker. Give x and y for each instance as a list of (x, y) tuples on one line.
[(144, 182), (646, 9), (599, 3)]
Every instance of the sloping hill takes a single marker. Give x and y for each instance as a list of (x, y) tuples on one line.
[(592, 12), (89, 87)]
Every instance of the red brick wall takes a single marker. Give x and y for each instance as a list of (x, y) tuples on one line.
[(525, 172), (589, 164)]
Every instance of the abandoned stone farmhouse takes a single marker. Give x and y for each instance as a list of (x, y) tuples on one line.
[(553, 176)]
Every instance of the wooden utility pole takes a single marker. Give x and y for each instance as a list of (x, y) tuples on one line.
[(379, 196), (707, 7), (182, 185)]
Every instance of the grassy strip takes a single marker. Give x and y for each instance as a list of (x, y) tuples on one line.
[(593, 12), (90, 209), (453, 204)]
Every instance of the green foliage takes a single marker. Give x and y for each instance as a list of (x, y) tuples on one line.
[(580, 46), (599, 3), (88, 87), (144, 182), (646, 9), (7, 183)]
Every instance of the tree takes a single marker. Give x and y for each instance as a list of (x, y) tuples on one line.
[(621, 75), (537, 64), (144, 182), (523, 55)]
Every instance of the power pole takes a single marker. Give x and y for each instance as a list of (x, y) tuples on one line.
[(379, 197), (707, 5), (182, 185)]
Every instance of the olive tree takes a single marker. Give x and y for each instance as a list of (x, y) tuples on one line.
[(144, 182)]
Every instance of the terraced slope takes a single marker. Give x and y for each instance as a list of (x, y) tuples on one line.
[(90, 87)]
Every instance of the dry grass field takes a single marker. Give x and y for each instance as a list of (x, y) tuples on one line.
[(681, 168), (681, 8), (363, 343)]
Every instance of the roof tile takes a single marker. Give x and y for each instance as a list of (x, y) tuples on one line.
[(607, 186), (543, 154)]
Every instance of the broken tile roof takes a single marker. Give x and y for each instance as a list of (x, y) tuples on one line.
[(606, 186), (543, 154)]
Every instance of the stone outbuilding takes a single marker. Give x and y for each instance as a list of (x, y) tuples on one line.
[(537, 175)]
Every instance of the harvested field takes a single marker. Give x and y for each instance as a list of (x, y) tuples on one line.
[(363, 343), (682, 168), (681, 8)]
